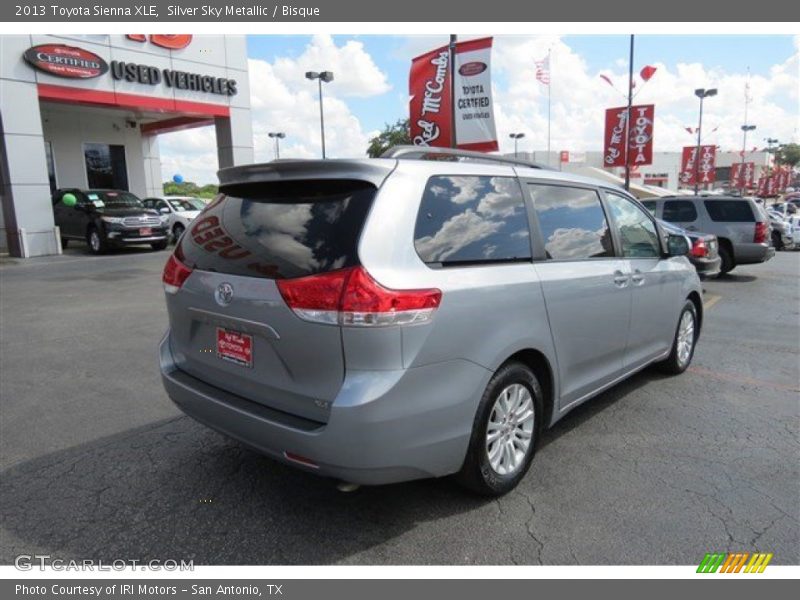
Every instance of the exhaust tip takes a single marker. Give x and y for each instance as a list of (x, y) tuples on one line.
[(347, 487)]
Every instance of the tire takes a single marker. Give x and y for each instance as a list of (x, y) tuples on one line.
[(96, 242), (177, 232), (777, 240), (498, 475), (727, 265), (679, 360), (64, 243), (159, 245)]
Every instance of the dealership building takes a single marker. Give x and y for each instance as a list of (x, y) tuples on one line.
[(86, 112)]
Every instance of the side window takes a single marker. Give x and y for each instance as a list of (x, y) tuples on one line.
[(161, 204), (679, 211), (650, 205), (471, 219), (147, 203), (636, 229), (572, 222), (732, 211)]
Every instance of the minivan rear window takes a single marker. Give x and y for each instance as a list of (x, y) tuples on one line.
[(730, 211), (280, 230)]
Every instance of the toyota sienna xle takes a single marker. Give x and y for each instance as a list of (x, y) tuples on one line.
[(381, 320)]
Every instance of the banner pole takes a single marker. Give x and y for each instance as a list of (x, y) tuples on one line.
[(549, 92), (453, 141), (628, 120)]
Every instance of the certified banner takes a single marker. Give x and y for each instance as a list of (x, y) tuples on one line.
[(475, 128), (430, 103), (640, 144)]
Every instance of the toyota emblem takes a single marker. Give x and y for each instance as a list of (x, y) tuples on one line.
[(224, 294)]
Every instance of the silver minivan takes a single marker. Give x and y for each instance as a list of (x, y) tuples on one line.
[(381, 320)]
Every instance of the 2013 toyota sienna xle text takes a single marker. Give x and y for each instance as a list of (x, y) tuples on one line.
[(381, 320)]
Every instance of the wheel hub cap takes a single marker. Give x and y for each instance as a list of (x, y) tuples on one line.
[(509, 432), (685, 337)]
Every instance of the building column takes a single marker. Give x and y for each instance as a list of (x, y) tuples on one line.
[(27, 228), (152, 166), (234, 138)]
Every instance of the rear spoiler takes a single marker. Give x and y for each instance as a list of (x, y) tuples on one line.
[(374, 171)]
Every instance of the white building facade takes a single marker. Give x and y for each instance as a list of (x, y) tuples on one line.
[(85, 111)]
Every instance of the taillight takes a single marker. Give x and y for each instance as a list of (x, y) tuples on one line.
[(699, 249), (761, 233), (352, 297), (175, 273)]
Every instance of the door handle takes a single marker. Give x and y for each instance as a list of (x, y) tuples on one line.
[(620, 279), (637, 277)]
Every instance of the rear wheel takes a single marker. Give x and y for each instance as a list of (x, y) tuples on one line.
[(504, 433), (683, 344), (726, 259), (96, 241)]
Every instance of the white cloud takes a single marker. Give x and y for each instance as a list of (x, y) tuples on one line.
[(282, 99)]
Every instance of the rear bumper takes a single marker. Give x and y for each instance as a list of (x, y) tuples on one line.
[(745, 254), (384, 426), (707, 267)]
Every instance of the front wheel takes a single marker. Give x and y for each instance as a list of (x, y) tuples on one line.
[(504, 433), (159, 245), (726, 260), (683, 345), (96, 241), (177, 232)]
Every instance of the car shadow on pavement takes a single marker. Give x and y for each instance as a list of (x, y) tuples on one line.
[(177, 490), (735, 278)]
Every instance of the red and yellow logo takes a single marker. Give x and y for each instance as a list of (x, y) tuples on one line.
[(734, 562)]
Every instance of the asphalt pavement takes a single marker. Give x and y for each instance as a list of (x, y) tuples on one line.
[(96, 462)]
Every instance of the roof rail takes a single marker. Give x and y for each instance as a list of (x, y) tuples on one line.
[(431, 153)]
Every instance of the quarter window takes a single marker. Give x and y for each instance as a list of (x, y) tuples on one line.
[(731, 211), (572, 222), (679, 211), (636, 229), (469, 220)]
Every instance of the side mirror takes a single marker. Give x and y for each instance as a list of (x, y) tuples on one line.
[(678, 245), (163, 210), (69, 200)]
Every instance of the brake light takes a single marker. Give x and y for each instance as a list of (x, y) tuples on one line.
[(761, 233), (352, 297), (699, 249), (175, 273)]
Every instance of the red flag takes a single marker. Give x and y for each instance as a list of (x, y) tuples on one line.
[(640, 144), (647, 72), (702, 170), (543, 70), (430, 105)]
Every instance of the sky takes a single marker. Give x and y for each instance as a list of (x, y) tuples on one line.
[(370, 89)]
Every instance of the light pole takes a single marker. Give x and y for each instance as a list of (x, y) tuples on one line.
[(745, 129), (278, 136), (702, 94), (516, 137), (327, 77)]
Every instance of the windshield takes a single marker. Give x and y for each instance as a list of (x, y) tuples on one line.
[(113, 199), (183, 205)]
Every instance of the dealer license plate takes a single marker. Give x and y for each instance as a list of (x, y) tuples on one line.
[(235, 347)]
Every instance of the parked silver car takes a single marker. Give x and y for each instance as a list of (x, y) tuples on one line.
[(741, 226), (382, 320)]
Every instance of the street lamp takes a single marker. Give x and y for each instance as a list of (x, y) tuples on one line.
[(745, 129), (278, 136), (701, 93), (516, 137), (327, 77), (770, 141)]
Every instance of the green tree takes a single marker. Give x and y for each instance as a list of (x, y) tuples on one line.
[(392, 135), (788, 154), (189, 188)]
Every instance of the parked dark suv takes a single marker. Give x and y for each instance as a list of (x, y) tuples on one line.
[(107, 219)]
